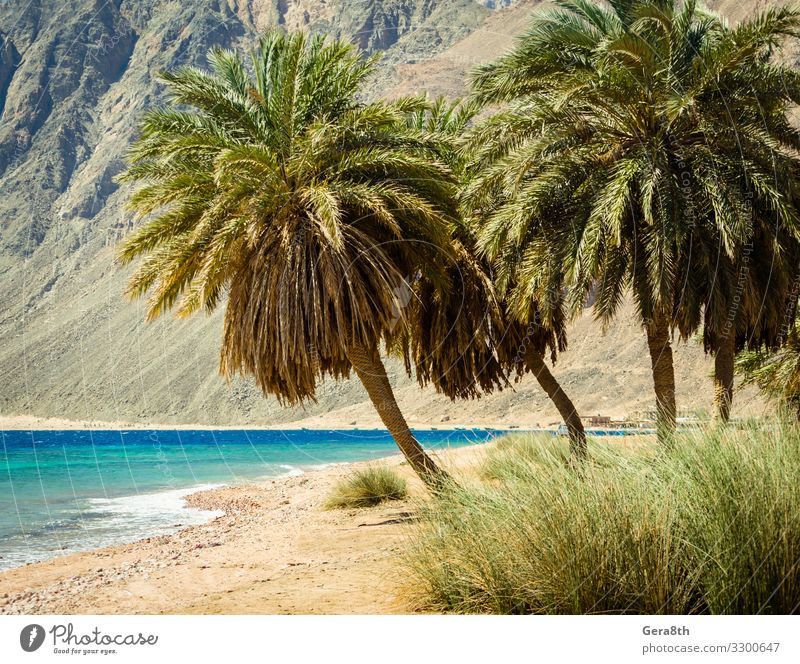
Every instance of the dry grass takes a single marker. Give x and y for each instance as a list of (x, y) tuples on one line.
[(366, 488)]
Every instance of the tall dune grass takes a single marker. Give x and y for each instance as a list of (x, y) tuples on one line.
[(367, 487), (713, 526)]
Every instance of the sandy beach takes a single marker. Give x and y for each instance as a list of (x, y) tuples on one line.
[(274, 551), (328, 421)]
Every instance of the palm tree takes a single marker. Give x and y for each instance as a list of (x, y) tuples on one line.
[(775, 372), (300, 208), (748, 305), (612, 157), (465, 343)]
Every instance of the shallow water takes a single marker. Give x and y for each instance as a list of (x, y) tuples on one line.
[(68, 491)]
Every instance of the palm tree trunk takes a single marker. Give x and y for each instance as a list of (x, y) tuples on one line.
[(724, 356), (548, 382), (370, 370), (658, 342)]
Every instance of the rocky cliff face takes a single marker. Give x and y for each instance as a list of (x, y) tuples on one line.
[(74, 76)]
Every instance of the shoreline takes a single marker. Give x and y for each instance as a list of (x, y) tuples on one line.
[(192, 500), (33, 423), (273, 550)]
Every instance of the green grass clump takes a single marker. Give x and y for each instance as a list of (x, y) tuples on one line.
[(740, 515), (513, 456), (517, 456), (367, 487), (712, 526)]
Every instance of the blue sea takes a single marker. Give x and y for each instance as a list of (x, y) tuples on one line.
[(68, 491)]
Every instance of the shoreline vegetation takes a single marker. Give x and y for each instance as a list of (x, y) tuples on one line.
[(711, 525), (330, 227)]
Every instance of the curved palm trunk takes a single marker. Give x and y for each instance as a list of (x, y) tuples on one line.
[(548, 382), (370, 370), (724, 356), (658, 343)]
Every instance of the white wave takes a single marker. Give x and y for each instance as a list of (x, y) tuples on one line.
[(109, 521), (156, 508), (296, 471), (323, 466)]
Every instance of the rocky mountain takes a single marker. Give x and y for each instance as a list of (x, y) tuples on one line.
[(74, 77)]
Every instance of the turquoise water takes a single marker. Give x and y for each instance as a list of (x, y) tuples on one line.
[(67, 491)]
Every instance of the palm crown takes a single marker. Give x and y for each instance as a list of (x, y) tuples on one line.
[(308, 207)]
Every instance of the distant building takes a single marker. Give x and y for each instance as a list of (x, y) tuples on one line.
[(596, 420)]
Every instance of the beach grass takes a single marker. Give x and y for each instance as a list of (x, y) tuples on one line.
[(711, 526), (367, 487)]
